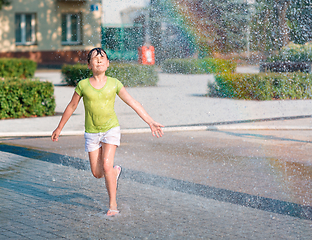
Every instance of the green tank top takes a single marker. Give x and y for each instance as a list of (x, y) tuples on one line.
[(99, 104)]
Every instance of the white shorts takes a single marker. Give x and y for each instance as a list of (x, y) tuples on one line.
[(93, 141)]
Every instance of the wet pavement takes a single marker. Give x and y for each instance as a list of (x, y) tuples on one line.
[(246, 174), (178, 101), (222, 184)]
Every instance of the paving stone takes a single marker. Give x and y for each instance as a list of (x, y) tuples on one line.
[(64, 202), (12, 235)]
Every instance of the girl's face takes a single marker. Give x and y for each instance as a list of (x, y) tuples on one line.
[(98, 63)]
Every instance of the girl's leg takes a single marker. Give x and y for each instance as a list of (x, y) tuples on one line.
[(97, 163), (102, 165)]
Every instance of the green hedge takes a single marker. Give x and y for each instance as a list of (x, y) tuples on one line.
[(129, 74), (293, 53), (17, 67), (262, 86), (26, 98), (132, 75), (72, 74), (198, 66)]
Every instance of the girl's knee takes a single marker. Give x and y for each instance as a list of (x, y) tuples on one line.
[(108, 166), (107, 169), (97, 174)]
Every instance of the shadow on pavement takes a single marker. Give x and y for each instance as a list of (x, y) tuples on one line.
[(264, 137), (224, 195)]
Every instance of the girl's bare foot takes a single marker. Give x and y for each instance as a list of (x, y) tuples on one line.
[(112, 212)]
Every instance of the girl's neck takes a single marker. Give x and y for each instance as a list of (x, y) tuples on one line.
[(98, 82), (99, 77)]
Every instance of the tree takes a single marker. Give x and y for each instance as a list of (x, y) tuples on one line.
[(4, 3), (300, 18), (211, 25), (270, 26), (231, 25), (284, 30)]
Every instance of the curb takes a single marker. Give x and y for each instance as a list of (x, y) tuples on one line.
[(166, 129)]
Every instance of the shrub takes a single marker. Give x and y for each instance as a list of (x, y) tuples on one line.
[(17, 67), (26, 98), (293, 53), (132, 75), (198, 66), (215, 65), (285, 67), (262, 86), (129, 74), (72, 74), (184, 66)]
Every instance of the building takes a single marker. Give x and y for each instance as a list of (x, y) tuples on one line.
[(128, 25), (50, 32), (123, 28)]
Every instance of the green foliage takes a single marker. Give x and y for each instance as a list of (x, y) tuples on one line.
[(293, 53), (198, 66), (299, 20), (276, 22), (218, 24), (17, 67), (205, 50), (72, 74), (265, 32), (184, 66), (4, 3), (130, 75), (26, 98), (215, 65), (262, 86)]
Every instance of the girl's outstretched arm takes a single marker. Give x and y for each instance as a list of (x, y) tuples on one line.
[(138, 108), (71, 107)]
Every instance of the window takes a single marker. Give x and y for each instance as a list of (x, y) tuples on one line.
[(25, 29), (121, 43), (129, 38), (71, 29)]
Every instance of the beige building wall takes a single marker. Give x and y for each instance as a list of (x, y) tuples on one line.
[(48, 47)]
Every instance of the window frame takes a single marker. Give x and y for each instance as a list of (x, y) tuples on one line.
[(23, 29), (69, 29)]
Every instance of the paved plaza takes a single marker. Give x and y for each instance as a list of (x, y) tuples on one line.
[(187, 185), (225, 169)]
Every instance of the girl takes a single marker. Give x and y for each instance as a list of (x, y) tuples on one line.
[(102, 130)]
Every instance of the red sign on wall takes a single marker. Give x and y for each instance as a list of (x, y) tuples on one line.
[(146, 55)]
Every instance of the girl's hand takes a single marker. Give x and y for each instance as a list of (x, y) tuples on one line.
[(55, 135), (156, 129)]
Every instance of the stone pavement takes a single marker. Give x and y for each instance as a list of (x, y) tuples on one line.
[(231, 182), (187, 185)]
